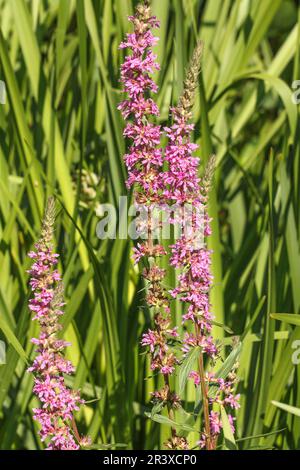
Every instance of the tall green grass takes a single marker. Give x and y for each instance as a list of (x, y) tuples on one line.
[(60, 128)]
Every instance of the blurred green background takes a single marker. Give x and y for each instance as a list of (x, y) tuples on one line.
[(61, 134)]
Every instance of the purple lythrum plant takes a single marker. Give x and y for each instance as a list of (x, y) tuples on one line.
[(144, 163), (191, 256), (58, 403), (182, 185), (172, 177)]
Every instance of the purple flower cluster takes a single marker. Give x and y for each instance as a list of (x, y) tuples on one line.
[(181, 181), (193, 259), (163, 359), (144, 160), (58, 402), (182, 186), (157, 340), (144, 163)]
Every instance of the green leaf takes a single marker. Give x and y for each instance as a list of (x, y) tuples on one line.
[(225, 328), (157, 408), (288, 408), (186, 367), (226, 367), (106, 446)]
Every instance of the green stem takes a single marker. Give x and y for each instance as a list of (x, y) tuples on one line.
[(170, 410), (205, 402)]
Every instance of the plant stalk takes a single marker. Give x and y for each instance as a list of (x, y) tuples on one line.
[(204, 392)]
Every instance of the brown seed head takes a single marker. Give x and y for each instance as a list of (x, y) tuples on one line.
[(48, 221), (208, 176), (186, 100)]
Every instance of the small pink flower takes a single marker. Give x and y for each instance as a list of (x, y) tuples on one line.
[(173, 332), (233, 401), (167, 370), (149, 339), (196, 377), (215, 422), (231, 420)]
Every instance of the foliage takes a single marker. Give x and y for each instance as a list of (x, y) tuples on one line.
[(61, 134)]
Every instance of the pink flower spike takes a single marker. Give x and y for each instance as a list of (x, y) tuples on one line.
[(58, 402)]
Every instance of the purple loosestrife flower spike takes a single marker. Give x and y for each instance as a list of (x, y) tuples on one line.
[(144, 164), (144, 160), (191, 257), (183, 186), (58, 402)]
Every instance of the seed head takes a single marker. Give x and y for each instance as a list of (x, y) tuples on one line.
[(48, 222)]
